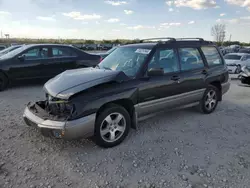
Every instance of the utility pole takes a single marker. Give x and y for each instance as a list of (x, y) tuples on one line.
[(230, 37)]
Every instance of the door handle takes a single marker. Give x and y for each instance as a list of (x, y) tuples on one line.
[(204, 72), (175, 78)]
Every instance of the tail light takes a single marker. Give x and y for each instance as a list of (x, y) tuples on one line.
[(101, 58)]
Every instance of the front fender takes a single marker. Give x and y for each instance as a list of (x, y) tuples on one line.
[(86, 106)]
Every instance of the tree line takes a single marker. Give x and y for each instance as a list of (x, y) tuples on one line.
[(218, 31)]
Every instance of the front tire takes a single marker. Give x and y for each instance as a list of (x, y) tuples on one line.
[(3, 82), (112, 126), (209, 100), (238, 69)]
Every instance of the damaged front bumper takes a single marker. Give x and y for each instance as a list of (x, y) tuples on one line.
[(73, 129)]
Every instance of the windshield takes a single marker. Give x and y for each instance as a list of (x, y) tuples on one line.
[(126, 59), (232, 57), (11, 48), (14, 52)]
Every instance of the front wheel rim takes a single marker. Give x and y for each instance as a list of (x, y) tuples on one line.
[(113, 127), (211, 100), (1, 83)]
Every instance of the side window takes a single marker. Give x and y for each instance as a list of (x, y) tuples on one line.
[(166, 59), (212, 55), (36, 53), (248, 56), (190, 59), (62, 52)]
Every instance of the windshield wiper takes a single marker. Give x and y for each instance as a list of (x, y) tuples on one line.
[(107, 68)]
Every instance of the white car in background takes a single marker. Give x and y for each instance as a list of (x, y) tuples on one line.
[(235, 61)]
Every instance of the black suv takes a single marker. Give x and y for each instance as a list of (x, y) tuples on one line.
[(132, 82)]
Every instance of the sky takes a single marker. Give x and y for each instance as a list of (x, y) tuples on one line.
[(127, 19)]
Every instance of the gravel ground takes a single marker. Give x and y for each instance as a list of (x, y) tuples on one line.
[(179, 149)]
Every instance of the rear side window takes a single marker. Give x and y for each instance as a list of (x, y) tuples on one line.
[(190, 59), (212, 55), (62, 52)]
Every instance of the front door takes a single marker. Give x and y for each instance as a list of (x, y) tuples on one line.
[(159, 92), (29, 64), (63, 58)]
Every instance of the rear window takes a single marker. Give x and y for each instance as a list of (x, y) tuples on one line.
[(233, 57), (212, 55)]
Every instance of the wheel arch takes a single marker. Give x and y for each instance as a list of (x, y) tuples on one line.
[(217, 84), (125, 103)]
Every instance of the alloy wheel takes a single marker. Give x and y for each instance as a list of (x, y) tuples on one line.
[(113, 127), (211, 100)]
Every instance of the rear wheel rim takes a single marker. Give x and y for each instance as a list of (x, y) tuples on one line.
[(113, 127), (211, 100)]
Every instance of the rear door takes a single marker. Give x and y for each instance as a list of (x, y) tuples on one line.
[(62, 59), (194, 72)]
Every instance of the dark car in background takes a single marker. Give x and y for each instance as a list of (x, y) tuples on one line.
[(42, 61), (105, 54), (2, 47), (9, 49)]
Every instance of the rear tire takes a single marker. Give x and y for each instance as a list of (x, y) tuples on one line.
[(112, 126), (209, 100), (3, 82)]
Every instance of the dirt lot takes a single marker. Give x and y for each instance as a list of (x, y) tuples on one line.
[(175, 149)]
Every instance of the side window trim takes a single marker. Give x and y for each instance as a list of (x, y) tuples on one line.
[(201, 55), (32, 48), (63, 56), (157, 51), (219, 53)]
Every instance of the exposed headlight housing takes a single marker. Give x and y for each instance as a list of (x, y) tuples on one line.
[(59, 107)]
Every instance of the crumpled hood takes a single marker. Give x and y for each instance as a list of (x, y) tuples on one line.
[(74, 81)]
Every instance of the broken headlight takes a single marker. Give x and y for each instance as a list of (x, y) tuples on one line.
[(58, 107)]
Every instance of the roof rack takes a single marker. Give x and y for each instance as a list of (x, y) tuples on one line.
[(158, 39), (200, 39)]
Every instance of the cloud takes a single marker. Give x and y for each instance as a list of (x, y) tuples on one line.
[(123, 24), (170, 9), (168, 25), (222, 14), (169, 3), (191, 22), (45, 18), (128, 12), (116, 30), (116, 3), (137, 27), (242, 3), (113, 20), (242, 20), (5, 13), (196, 4), (79, 16)]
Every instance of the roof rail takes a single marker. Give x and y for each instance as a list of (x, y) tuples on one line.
[(158, 39), (200, 39)]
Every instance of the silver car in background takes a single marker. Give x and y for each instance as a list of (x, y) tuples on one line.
[(235, 61)]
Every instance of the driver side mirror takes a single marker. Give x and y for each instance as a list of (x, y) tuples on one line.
[(21, 57), (156, 72)]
